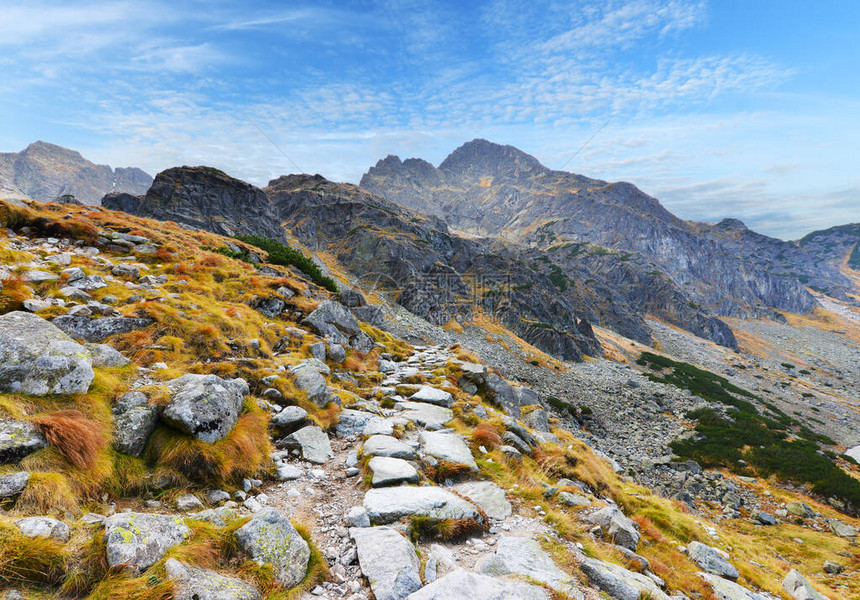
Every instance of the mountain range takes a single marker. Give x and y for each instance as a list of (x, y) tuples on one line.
[(46, 172)]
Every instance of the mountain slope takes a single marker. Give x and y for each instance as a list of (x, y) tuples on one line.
[(44, 172)]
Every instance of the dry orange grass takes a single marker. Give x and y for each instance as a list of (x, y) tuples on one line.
[(487, 436), (78, 439)]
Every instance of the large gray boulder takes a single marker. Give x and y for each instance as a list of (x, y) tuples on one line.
[(313, 384), (618, 582), (134, 421), (502, 394), (138, 541), (204, 406), (19, 439), (107, 356), (729, 590), (472, 586), (37, 358), (101, 328), (193, 583), (13, 484), (799, 588), (488, 496), (386, 505), (334, 321), (535, 417), (391, 471), (523, 556), (353, 422), (432, 395), (289, 419), (45, 527), (270, 539), (712, 560), (616, 526), (386, 445), (447, 446), (312, 442), (388, 561)]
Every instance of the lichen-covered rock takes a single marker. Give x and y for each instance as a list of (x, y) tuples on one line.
[(312, 442), (204, 406), (502, 394), (107, 356), (101, 328), (447, 446), (388, 561), (524, 556), (37, 358), (488, 496), (289, 419), (193, 583), (13, 484), (138, 540), (44, 527), (620, 529), (800, 589), (18, 439), (332, 320), (618, 582), (270, 539), (134, 421)]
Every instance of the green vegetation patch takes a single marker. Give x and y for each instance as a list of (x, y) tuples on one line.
[(281, 254), (764, 442)]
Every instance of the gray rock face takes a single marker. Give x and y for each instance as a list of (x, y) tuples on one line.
[(134, 421), (524, 556), (354, 422), (488, 496), (800, 589), (139, 540), (536, 419), (388, 561), (37, 358), (616, 526), (99, 329), (312, 442), (204, 198), (619, 582), (431, 395), (13, 484), (44, 527), (193, 583), (204, 406), (385, 445), (570, 499), (447, 446), (391, 471), (729, 590), (289, 419), (106, 356), (18, 439), (472, 586), (270, 538), (334, 321), (712, 560), (843, 530), (386, 505)]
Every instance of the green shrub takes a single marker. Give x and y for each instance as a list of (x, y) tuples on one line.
[(281, 254)]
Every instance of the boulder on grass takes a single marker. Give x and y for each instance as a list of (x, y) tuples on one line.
[(139, 540), (204, 406), (193, 583), (270, 539)]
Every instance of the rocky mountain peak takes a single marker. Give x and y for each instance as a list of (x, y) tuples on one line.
[(482, 158)]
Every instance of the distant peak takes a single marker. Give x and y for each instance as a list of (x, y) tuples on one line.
[(732, 224), (489, 158)]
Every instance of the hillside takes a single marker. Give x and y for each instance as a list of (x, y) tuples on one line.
[(203, 400), (46, 172)]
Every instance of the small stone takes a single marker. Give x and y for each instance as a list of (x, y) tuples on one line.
[(188, 502), (357, 517)]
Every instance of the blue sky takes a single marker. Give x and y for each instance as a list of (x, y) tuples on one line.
[(748, 109)]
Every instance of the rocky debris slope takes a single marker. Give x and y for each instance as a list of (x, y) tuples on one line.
[(46, 172)]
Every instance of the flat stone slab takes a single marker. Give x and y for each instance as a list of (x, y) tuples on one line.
[(139, 540), (385, 445), (388, 561), (524, 556), (618, 582), (488, 496), (712, 560), (447, 446), (427, 416), (729, 590), (391, 471), (431, 395), (386, 505), (474, 586)]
